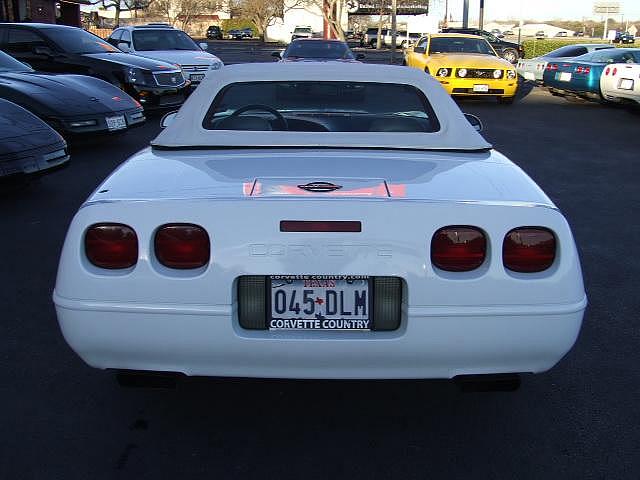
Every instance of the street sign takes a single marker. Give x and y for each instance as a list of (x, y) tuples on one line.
[(606, 8)]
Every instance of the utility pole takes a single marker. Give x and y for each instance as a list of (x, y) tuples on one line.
[(481, 19), (606, 23), (394, 30), (445, 22), (465, 14)]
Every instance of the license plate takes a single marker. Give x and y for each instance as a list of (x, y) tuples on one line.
[(481, 88), (529, 76), (320, 302), (196, 78), (625, 84), (116, 123), (565, 76)]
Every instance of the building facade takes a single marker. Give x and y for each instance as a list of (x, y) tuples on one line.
[(65, 12)]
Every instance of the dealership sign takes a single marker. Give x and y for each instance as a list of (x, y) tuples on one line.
[(606, 8), (356, 7)]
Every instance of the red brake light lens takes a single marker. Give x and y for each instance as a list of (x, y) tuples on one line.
[(458, 248), (182, 246), (111, 245), (529, 249)]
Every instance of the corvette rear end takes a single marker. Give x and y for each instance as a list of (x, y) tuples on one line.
[(331, 260)]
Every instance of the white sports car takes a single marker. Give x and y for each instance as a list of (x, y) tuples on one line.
[(620, 82), (320, 221)]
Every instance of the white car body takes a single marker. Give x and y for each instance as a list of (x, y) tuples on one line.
[(621, 82), (195, 64), (239, 185)]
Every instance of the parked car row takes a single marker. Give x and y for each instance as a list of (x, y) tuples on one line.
[(591, 71), (80, 85)]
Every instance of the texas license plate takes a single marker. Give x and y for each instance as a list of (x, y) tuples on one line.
[(196, 78), (626, 84), (116, 123), (565, 76), (320, 302), (481, 88)]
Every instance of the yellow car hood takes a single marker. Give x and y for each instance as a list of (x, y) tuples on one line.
[(469, 60)]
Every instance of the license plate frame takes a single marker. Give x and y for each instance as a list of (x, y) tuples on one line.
[(118, 122), (319, 285), (626, 84), (481, 88), (196, 77), (564, 76)]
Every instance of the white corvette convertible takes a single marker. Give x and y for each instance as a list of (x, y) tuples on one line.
[(620, 82), (320, 221)]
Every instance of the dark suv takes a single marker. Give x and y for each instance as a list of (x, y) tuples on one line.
[(214, 33), (510, 51), (624, 37), (62, 49)]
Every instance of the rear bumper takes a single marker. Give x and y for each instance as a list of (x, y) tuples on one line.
[(133, 117), (432, 342)]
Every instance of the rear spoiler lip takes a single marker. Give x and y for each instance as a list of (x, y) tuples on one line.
[(317, 147)]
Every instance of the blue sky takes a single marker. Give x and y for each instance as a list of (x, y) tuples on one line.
[(534, 9)]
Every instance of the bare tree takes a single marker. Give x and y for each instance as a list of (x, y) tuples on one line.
[(332, 13), (264, 13), (122, 6), (183, 11)]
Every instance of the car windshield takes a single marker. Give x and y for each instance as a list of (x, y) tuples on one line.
[(302, 30), (10, 64), (321, 107), (76, 40), (460, 45), (165, 39), (319, 50)]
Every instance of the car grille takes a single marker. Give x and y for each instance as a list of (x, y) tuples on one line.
[(169, 79), (480, 73), (195, 68), (492, 91)]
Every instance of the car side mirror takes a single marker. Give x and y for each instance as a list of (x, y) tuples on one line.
[(204, 46), (475, 122), (277, 55), (124, 46), (43, 50), (27, 65), (167, 119), (360, 56), (418, 49)]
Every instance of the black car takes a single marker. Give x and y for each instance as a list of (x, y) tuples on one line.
[(72, 104), (62, 49), (510, 51), (624, 37), (318, 50), (27, 144), (214, 33)]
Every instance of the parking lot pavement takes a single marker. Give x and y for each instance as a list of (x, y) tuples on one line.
[(62, 419)]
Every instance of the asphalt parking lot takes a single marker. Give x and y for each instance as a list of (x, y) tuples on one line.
[(62, 419)]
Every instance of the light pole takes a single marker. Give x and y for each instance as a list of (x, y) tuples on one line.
[(465, 14), (481, 19), (394, 29)]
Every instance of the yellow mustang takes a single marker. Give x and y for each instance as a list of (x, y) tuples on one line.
[(464, 65)]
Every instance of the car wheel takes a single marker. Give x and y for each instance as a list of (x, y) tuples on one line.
[(506, 100), (510, 55)]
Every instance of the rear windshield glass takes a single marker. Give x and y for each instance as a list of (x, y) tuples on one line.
[(318, 49), (460, 45), (321, 107)]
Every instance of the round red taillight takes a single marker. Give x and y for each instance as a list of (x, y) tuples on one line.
[(111, 245), (615, 70), (182, 246), (529, 249), (458, 248), (606, 71)]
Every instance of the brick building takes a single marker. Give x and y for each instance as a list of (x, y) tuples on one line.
[(65, 12)]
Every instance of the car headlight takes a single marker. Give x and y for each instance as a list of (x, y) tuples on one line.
[(217, 65), (462, 72), (497, 74), (443, 72), (511, 74), (134, 75)]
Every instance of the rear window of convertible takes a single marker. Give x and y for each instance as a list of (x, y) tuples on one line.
[(321, 107)]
